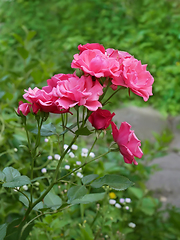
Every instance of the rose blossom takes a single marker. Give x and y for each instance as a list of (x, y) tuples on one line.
[(91, 46), (52, 83), (101, 118), (24, 108), (78, 91), (129, 144), (96, 63), (135, 76), (45, 101)]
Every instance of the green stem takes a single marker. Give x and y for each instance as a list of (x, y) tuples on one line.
[(77, 110), (92, 146), (25, 196), (34, 155), (112, 95), (28, 138), (105, 91)]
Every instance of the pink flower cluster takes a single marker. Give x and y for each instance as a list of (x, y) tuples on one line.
[(100, 68), (121, 68), (63, 92)]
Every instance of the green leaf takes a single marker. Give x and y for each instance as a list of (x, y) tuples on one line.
[(76, 192), (116, 182), (38, 178), (89, 178), (2, 94), (52, 200), (12, 232), (30, 35), (83, 131), (11, 173), (137, 192), (147, 206), (3, 228), (23, 52), (24, 200), (18, 38), (17, 182), (89, 198), (86, 232), (46, 130), (2, 176)]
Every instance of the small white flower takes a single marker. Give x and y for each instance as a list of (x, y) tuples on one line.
[(25, 187), (84, 150), (128, 200), (121, 200), (16, 188), (78, 174), (15, 149), (65, 146), (57, 156), (49, 157), (74, 147), (67, 167), (112, 201), (127, 208), (71, 154), (84, 154), (46, 140), (132, 225), (37, 183), (92, 154), (43, 170), (117, 205), (78, 162)]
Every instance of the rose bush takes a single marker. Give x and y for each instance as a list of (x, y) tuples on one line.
[(85, 95)]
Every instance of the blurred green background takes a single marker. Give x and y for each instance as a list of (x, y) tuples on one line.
[(38, 39)]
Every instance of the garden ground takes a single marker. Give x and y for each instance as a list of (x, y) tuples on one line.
[(165, 183)]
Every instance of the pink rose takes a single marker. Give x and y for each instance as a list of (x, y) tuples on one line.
[(101, 118), (95, 63), (135, 76), (78, 91), (91, 46), (52, 83), (24, 108), (119, 55), (43, 100), (129, 144)]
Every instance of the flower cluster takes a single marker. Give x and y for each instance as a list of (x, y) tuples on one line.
[(100, 68)]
